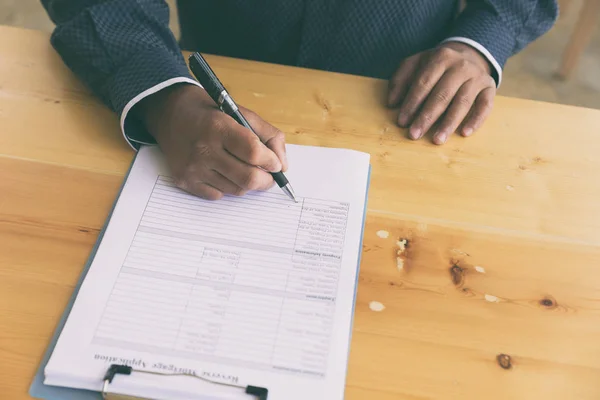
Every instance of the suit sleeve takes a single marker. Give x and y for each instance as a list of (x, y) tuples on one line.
[(123, 50), (504, 27)]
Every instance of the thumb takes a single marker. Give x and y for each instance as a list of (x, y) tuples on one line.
[(277, 144), (246, 146), (272, 137)]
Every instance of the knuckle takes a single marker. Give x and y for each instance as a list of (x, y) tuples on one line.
[(464, 100), (487, 104), (445, 53), (489, 82), (252, 180), (216, 124), (424, 81), (278, 136), (442, 96), (426, 118), (254, 152), (202, 149), (463, 65)]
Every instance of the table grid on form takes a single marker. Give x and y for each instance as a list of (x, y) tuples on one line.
[(255, 283)]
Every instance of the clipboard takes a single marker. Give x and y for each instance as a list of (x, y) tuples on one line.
[(41, 391)]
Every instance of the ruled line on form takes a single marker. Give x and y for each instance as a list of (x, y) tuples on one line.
[(230, 280)]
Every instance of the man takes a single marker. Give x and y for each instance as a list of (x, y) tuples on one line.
[(443, 68)]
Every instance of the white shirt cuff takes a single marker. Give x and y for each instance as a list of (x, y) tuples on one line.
[(482, 50), (144, 94)]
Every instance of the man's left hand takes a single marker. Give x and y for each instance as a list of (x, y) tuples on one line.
[(444, 88)]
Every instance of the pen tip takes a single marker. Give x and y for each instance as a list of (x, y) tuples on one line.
[(290, 192)]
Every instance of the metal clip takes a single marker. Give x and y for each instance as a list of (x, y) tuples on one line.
[(259, 392), (113, 370)]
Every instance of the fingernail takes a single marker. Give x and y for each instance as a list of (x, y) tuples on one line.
[(467, 131), (402, 120), (441, 137), (415, 133)]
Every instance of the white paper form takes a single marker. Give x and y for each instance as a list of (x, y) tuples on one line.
[(258, 289)]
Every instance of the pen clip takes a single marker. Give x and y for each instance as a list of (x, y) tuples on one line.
[(225, 99), (221, 99)]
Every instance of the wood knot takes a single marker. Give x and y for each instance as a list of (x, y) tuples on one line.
[(457, 275), (402, 245), (548, 302), (504, 361), (323, 103), (384, 155)]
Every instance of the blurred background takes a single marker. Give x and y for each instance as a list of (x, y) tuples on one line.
[(561, 67)]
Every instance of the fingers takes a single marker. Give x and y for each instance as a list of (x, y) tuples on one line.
[(277, 145), (437, 102), (199, 189), (272, 137), (247, 147), (245, 176), (222, 184), (457, 111), (211, 155), (231, 159), (480, 111), (423, 82), (234, 178), (442, 88), (400, 82)]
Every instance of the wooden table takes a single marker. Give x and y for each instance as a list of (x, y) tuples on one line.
[(499, 294)]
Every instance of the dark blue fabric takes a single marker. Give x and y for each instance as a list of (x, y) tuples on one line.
[(120, 48)]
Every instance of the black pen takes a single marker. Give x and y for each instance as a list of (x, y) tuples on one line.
[(207, 78)]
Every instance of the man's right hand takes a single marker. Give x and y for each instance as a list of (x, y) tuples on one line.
[(208, 152)]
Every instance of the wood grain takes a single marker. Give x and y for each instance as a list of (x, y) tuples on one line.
[(503, 228)]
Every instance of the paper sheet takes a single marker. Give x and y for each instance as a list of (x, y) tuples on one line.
[(256, 289)]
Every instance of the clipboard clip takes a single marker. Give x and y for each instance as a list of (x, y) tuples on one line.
[(260, 393)]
